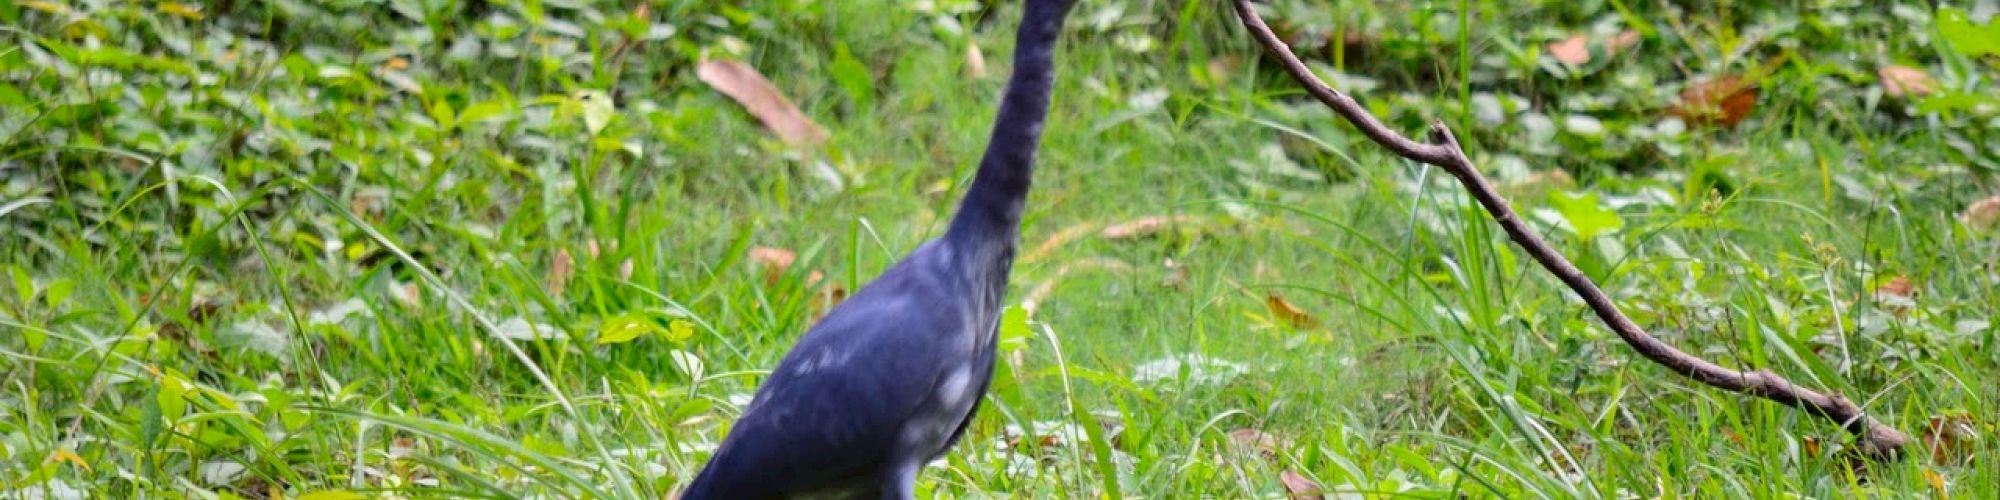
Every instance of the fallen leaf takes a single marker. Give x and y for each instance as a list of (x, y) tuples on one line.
[(1291, 314), (1950, 438), (1899, 287), (1062, 237), (1298, 486), (1042, 290), (758, 96), (1575, 50), (1265, 444), (773, 260), (1145, 226), (1732, 435), (1982, 216), (1220, 69), (1811, 445), (559, 272), (1721, 102), (828, 297), (975, 62), (1905, 81), (402, 446)]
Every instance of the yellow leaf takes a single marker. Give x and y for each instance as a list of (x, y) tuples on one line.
[(1938, 483), (49, 7), (625, 328), (181, 10), (65, 455), (680, 330), (1291, 314)]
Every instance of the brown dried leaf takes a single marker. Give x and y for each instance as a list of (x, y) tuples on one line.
[(773, 261), (827, 298), (1730, 433), (1299, 487), (1057, 240), (1897, 287), (1145, 226), (1219, 70), (1575, 50), (1905, 81), (762, 99), (1982, 216), (1950, 438), (1042, 290), (1246, 439), (1720, 102), (1289, 313), (560, 272)]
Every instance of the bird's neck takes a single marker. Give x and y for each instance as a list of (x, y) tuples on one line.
[(990, 216)]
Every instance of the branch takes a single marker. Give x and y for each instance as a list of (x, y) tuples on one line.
[(1874, 439)]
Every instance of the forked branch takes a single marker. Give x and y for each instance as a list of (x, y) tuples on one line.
[(1872, 438)]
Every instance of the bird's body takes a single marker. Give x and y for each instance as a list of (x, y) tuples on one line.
[(889, 379)]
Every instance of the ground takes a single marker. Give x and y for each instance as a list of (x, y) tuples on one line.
[(428, 248)]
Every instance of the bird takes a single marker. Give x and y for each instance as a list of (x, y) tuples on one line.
[(887, 381)]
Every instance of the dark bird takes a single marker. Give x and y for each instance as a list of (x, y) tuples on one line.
[(888, 380)]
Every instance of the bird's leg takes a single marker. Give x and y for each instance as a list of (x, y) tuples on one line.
[(901, 481)]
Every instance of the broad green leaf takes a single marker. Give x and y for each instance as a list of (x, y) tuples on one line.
[(484, 110), (11, 97), (1014, 331), (58, 291), (680, 330), (1967, 38), (446, 117), (24, 285), (852, 76), (173, 394), (1585, 215), (626, 328)]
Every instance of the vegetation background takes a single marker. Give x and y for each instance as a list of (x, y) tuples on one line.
[(430, 248)]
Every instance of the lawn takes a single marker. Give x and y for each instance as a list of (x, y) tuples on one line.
[(466, 248)]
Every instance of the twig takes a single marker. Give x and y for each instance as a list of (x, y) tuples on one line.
[(1872, 438)]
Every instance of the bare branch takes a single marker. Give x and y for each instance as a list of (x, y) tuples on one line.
[(1872, 438)]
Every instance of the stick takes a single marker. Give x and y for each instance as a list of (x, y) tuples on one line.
[(1872, 438)]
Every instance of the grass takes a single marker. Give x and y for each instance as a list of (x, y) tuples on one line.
[(295, 250)]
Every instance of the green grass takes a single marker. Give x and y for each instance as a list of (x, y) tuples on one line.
[(246, 259)]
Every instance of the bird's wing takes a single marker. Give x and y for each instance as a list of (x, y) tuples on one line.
[(833, 408)]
